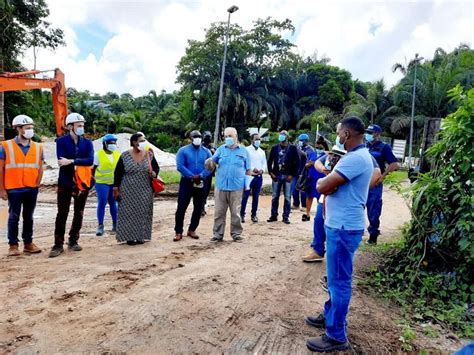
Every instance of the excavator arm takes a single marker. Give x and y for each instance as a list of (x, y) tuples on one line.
[(23, 81)]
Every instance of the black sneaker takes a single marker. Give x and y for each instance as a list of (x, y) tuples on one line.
[(238, 238), (242, 219), (325, 344), (131, 242), (371, 242), (316, 321), (216, 239), (324, 283), (100, 230), (56, 251), (254, 219), (74, 247), (305, 218), (272, 219), (286, 221)]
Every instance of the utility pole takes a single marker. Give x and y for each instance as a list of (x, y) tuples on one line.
[(230, 10), (410, 146)]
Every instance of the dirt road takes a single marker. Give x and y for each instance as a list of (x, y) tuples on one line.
[(186, 297)]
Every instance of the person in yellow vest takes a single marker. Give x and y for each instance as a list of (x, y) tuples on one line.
[(105, 161), (21, 170)]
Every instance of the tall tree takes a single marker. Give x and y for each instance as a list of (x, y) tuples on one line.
[(23, 25)]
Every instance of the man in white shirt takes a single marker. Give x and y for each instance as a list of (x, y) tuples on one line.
[(258, 165)]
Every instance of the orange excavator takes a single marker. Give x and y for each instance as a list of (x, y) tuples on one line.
[(24, 81)]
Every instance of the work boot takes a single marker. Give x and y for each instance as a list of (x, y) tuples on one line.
[(74, 247), (272, 219), (13, 250), (305, 218), (286, 221), (100, 230), (178, 237), (313, 257), (316, 321), (31, 248), (325, 344), (56, 251), (237, 238)]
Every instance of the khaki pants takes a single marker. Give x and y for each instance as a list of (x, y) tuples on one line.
[(227, 200)]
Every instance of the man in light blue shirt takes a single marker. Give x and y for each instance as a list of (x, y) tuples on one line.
[(346, 187), (190, 161), (232, 177)]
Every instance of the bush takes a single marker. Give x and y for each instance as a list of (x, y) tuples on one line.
[(433, 272)]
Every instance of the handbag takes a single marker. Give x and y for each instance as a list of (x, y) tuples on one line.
[(157, 183), (301, 184)]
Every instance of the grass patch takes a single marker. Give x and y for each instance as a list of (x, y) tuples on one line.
[(170, 177), (396, 177)]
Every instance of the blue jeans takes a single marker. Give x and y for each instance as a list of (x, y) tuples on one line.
[(17, 200), (276, 190), (374, 210), (297, 195), (319, 234), (255, 187), (105, 195), (342, 245)]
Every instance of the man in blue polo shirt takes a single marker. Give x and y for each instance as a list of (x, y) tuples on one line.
[(232, 177), (387, 162), (346, 188), (190, 161)]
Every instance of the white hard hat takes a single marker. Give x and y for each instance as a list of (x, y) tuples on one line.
[(74, 117), (337, 151), (22, 120)]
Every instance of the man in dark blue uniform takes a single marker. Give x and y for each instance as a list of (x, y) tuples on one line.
[(383, 154)]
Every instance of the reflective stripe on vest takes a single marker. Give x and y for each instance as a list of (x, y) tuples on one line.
[(104, 173), (21, 170)]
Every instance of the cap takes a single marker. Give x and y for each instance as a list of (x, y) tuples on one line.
[(109, 137), (337, 151), (374, 128), (303, 137)]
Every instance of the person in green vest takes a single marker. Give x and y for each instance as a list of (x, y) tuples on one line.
[(105, 161)]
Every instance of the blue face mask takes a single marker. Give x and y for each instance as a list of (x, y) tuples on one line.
[(339, 144), (229, 141), (319, 151), (256, 144), (281, 138), (79, 131), (369, 137)]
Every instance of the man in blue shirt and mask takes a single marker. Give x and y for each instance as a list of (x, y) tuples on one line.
[(387, 162), (232, 177), (73, 152), (346, 188), (190, 161)]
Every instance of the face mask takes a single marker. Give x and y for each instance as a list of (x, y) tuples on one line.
[(112, 147), (229, 141), (207, 140), (256, 144), (369, 137), (301, 144), (319, 151), (29, 133), (197, 141), (281, 138), (79, 131), (339, 144), (142, 146)]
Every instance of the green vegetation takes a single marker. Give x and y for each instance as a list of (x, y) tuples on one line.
[(170, 177), (431, 273), (396, 177)]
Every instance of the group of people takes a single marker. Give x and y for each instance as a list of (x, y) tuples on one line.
[(344, 180)]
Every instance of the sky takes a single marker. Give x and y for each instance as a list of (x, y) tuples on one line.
[(134, 46)]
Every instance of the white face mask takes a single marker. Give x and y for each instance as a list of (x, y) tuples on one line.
[(79, 131), (142, 146), (197, 141), (29, 133), (112, 147)]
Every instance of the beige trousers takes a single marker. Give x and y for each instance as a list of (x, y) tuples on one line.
[(227, 200)]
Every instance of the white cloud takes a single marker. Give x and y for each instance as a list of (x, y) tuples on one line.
[(146, 39)]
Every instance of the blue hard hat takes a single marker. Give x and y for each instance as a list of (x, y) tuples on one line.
[(109, 137), (374, 128), (303, 137)]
